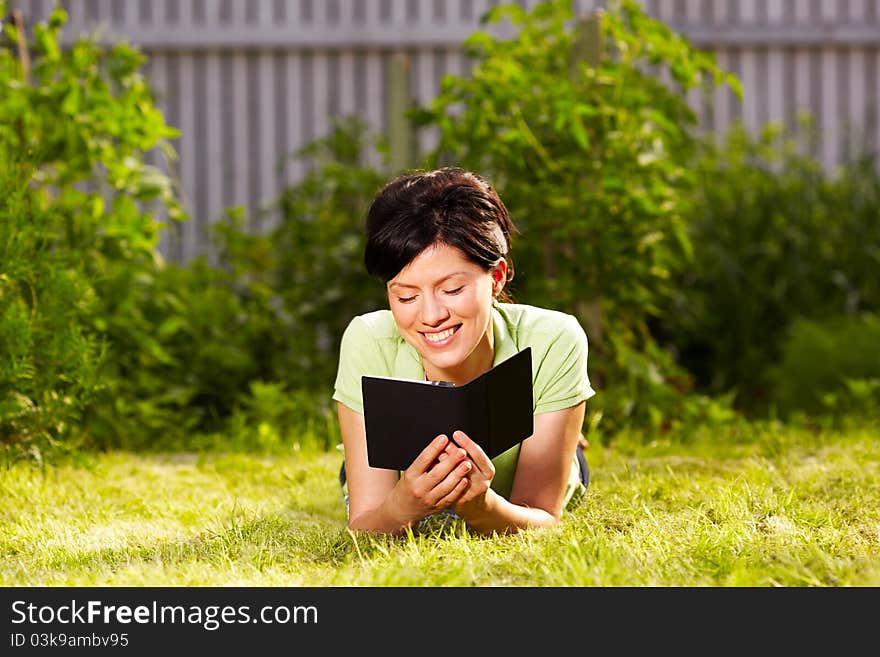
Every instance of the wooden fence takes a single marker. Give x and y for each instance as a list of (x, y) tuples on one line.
[(250, 81)]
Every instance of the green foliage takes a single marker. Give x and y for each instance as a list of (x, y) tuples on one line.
[(774, 238), (78, 229), (274, 418), (592, 158), (244, 352), (829, 366), (48, 354), (182, 358)]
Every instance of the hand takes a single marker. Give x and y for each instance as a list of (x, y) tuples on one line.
[(436, 480), (474, 498)]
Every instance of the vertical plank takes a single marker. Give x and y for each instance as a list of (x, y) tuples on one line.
[(804, 83), (321, 93), (200, 151), (855, 86), (293, 106), (776, 11), (427, 87), (268, 182), (748, 12), (346, 83), (254, 161), (752, 94), (775, 97), (693, 13), (185, 20), (214, 130), (802, 12), (159, 85), (175, 168), (190, 237), (829, 11), (830, 122), (399, 95), (858, 11), (375, 109), (720, 11), (239, 129)]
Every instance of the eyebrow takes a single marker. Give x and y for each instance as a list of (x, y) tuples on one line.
[(415, 287)]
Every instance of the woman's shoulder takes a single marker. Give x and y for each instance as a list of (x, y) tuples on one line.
[(376, 325), (372, 338), (526, 322)]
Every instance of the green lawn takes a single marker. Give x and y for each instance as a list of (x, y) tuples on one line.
[(762, 505)]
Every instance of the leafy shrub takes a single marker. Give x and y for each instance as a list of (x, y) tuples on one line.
[(275, 418), (244, 351), (182, 357), (77, 226), (775, 238), (829, 366), (48, 351)]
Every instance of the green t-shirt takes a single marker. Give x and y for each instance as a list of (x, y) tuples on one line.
[(372, 345)]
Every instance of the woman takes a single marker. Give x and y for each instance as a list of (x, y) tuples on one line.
[(440, 242)]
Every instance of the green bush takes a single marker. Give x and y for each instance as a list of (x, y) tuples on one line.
[(775, 238), (49, 352), (829, 366), (78, 229), (244, 351)]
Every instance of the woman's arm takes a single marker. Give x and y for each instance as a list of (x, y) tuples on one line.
[(378, 501), (542, 473)]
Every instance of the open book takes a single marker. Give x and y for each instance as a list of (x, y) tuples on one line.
[(403, 416)]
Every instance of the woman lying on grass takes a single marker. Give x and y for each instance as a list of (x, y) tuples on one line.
[(440, 242)]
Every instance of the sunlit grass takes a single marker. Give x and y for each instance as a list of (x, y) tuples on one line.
[(760, 506)]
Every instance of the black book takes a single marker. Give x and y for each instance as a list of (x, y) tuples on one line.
[(403, 416)]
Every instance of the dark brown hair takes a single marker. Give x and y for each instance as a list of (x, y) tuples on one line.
[(445, 206)]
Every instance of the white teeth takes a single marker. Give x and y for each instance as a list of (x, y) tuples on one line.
[(439, 337)]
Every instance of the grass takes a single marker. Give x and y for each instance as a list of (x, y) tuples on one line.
[(757, 505)]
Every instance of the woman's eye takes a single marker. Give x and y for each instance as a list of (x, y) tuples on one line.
[(455, 291), (406, 299)]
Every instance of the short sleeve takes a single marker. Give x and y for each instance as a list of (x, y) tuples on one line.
[(561, 379), (359, 354)]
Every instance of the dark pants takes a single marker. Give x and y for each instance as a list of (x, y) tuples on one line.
[(585, 470)]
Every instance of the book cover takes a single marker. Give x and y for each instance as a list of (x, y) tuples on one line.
[(403, 416)]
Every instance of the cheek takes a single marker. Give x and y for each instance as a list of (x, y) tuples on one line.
[(475, 304), (403, 314)]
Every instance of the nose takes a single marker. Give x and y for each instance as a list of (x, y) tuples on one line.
[(434, 312)]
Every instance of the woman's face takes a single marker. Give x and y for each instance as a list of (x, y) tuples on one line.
[(442, 303)]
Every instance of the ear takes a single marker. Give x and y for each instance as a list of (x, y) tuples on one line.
[(499, 277)]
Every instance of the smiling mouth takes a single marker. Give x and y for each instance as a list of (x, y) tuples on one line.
[(441, 336)]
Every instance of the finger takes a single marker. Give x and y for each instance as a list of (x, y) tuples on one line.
[(474, 451), (450, 489), (451, 449), (457, 493), (442, 468), (427, 456)]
